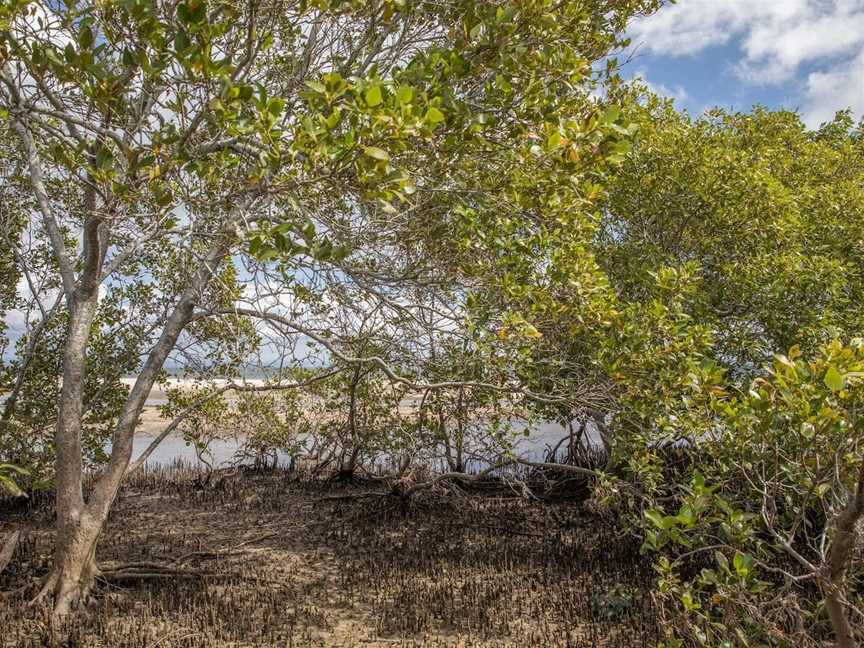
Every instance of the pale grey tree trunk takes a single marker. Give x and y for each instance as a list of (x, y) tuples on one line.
[(80, 524), (7, 549), (73, 556), (74, 564)]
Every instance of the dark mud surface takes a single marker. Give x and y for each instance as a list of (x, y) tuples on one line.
[(278, 559)]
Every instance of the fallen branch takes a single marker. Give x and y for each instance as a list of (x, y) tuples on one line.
[(407, 491)]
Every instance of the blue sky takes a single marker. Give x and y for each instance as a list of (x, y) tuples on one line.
[(806, 55)]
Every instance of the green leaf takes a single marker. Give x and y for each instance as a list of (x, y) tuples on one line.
[(377, 153), (655, 518), (743, 563), (689, 602), (434, 116), (611, 114), (85, 37), (14, 468), (373, 96), (308, 232), (387, 207), (404, 94), (317, 86), (11, 487), (104, 158), (834, 379), (275, 106)]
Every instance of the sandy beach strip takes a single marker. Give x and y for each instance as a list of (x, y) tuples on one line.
[(159, 394)]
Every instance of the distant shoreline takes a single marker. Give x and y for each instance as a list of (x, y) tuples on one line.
[(159, 393)]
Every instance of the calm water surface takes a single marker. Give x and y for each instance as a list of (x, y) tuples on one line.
[(223, 451)]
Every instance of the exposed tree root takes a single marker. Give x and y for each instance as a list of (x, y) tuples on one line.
[(152, 571), (145, 570)]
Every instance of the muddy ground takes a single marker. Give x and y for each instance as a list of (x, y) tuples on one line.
[(281, 559)]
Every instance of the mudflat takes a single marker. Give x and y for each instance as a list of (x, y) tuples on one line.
[(278, 558)]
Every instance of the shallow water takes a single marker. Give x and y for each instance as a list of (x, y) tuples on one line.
[(173, 448), (223, 451)]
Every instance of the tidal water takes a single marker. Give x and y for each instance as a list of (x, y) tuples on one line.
[(222, 452)]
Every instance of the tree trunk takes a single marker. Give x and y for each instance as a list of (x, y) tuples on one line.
[(460, 430), (842, 546), (74, 566), (7, 549), (347, 467), (79, 525)]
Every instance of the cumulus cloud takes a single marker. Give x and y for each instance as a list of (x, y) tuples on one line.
[(841, 87), (775, 40), (693, 25)]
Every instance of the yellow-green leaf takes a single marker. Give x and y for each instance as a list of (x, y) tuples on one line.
[(373, 96), (434, 116), (377, 153), (834, 379), (404, 94)]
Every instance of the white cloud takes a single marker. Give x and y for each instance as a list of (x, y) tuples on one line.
[(776, 49), (693, 25), (775, 39), (775, 36), (840, 88)]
